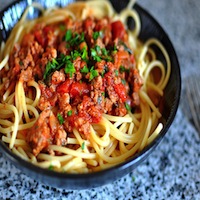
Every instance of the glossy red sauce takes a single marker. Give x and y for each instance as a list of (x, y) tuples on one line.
[(84, 69)]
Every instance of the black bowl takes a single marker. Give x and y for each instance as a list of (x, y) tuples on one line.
[(150, 28)]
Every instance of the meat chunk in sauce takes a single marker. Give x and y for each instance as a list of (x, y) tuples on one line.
[(45, 131), (39, 136)]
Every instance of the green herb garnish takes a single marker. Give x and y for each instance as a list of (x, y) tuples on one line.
[(123, 81), (68, 35), (69, 68), (93, 73), (50, 67), (84, 54), (116, 72), (97, 34), (94, 55), (69, 113), (104, 51), (123, 69), (85, 69), (60, 118), (77, 39), (98, 48), (105, 54), (75, 54), (73, 39), (83, 145), (127, 107)]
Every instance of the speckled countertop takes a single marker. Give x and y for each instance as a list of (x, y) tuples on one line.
[(172, 171)]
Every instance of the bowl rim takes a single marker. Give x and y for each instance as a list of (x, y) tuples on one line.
[(133, 160)]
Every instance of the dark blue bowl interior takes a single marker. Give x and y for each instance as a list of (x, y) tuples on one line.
[(150, 28)]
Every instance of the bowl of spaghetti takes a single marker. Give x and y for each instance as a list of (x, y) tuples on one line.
[(87, 89)]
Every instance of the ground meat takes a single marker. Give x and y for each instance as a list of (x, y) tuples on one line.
[(108, 105), (51, 39), (47, 56), (97, 92), (135, 99), (64, 103), (48, 98), (136, 83), (62, 48), (39, 136), (101, 67), (26, 75), (57, 131), (45, 131), (78, 65), (28, 60), (112, 94), (120, 110), (36, 51), (97, 84), (57, 77), (60, 137), (82, 126)]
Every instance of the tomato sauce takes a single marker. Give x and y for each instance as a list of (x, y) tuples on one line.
[(84, 69)]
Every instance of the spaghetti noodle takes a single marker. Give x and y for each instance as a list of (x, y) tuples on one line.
[(79, 91)]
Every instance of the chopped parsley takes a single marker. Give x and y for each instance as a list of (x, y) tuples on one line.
[(93, 73), (77, 39), (68, 35), (97, 34), (85, 69), (63, 59), (83, 145), (84, 54), (127, 107), (123, 81), (73, 39), (97, 53), (105, 54), (60, 118), (123, 69), (104, 51), (75, 54), (69, 113), (94, 55), (116, 72), (50, 67), (69, 68), (98, 48), (114, 50)]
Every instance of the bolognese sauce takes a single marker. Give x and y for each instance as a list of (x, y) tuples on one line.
[(84, 69)]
